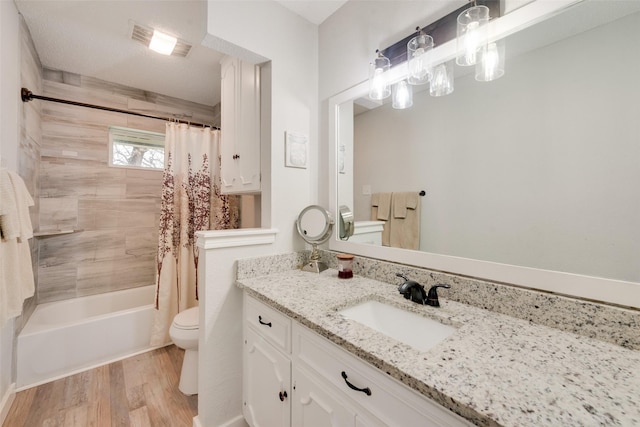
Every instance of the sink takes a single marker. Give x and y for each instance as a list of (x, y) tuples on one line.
[(410, 328)]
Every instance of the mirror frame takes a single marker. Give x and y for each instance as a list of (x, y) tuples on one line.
[(598, 289)]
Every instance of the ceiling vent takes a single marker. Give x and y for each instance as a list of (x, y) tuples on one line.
[(143, 35)]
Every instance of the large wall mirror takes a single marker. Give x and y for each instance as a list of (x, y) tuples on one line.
[(531, 179)]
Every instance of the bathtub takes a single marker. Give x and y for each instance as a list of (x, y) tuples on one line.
[(65, 337)]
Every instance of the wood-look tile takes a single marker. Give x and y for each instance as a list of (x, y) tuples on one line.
[(118, 402), (58, 213), (82, 94), (139, 417), (56, 283), (138, 391), (142, 241)]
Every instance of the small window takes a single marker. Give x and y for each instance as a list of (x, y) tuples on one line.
[(135, 148)]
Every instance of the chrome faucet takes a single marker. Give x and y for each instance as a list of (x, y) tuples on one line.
[(415, 292)]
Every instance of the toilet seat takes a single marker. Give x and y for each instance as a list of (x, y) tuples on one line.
[(187, 319)]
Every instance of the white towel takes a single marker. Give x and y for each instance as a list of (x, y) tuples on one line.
[(9, 220), (16, 273)]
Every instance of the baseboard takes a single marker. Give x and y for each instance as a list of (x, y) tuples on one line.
[(6, 402), (234, 422)]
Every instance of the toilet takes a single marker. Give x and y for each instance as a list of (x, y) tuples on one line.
[(184, 334)]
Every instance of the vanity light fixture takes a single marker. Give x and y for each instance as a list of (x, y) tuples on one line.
[(379, 87), (418, 55), (442, 80), (471, 33), (402, 95), (490, 65)]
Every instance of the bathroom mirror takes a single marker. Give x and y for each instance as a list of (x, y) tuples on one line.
[(530, 179), (314, 225)]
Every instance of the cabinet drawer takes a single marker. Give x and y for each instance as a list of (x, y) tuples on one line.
[(387, 399), (272, 325)]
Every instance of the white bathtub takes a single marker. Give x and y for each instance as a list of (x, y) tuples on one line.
[(66, 337)]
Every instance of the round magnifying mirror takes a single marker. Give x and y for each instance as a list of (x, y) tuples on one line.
[(314, 226)]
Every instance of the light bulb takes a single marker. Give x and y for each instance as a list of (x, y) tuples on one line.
[(402, 95), (378, 84), (471, 43)]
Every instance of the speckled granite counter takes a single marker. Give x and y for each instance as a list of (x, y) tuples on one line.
[(496, 370)]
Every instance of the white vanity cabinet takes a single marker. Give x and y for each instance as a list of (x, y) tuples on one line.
[(328, 386), (240, 126), (266, 382)]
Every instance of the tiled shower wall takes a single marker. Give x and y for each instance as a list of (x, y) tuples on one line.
[(114, 211)]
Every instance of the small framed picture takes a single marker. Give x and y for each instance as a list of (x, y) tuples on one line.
[(296, 150)]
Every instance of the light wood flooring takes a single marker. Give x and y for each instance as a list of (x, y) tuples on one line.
[(139, 391)]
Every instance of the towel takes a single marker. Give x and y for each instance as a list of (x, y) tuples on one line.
[(381, 211), (16, 271), (404, 201), (404, 225), (9, 222)]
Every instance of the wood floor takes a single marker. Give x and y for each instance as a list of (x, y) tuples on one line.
[(139, 391)]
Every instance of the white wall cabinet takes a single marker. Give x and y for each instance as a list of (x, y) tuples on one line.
[(328, 386), (240, 126)]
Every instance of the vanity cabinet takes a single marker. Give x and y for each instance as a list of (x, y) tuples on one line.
[(266, 362), (240, 126), (304, 380)]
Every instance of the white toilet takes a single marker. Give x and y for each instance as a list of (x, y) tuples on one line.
[(184, 334)]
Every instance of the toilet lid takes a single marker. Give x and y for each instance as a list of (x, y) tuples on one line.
[(187, 319)]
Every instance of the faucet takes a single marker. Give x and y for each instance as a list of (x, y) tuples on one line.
[(415, 292)]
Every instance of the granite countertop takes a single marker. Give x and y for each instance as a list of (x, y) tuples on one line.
[(495, 370)]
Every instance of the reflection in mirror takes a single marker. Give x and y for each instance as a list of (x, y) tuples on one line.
[(538, 168)]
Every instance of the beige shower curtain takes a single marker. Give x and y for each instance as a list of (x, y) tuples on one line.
[(191, 201)]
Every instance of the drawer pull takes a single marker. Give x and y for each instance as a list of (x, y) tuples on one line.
[(282, 395), (264, 323), (366, 390)]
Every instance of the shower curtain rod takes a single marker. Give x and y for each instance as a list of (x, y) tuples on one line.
[(27, 96)]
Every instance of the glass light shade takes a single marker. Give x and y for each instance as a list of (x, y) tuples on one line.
[(162, 43), (442, 80), (402, 96), (379, 87), (490, 65), (472, 34), (419, 58)]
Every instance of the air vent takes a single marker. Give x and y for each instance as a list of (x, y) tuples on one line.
[(143, 35)]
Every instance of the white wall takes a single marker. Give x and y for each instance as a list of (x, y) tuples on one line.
[(9, 84), (258, 31), (9, 133)]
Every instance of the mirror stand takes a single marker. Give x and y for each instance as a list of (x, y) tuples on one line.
[(315, 265), (314, 226)]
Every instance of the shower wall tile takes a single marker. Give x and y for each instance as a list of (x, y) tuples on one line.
[(56, 283), (58, 213), (143, 184), (142, 241), (115, 210)]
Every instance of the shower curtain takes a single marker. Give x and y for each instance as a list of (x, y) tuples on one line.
[(191, 201)]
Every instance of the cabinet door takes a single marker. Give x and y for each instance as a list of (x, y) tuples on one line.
[(229, 91), (314, 405), (266, 383), (240, 122)]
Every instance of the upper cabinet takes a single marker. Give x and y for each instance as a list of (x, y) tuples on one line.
[(240, 122)]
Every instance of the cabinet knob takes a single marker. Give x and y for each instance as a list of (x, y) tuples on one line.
[(282, 395), (236, 156)]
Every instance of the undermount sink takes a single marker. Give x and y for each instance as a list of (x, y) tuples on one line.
[(410, 328)]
